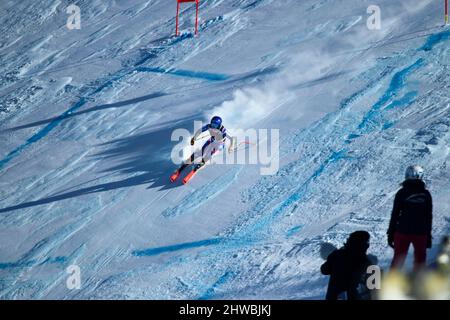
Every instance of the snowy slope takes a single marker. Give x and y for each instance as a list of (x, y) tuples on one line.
[(86, 118)]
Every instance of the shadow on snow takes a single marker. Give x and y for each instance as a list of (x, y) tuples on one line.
[(145, 156)]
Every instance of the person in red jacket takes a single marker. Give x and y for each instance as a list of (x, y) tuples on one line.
[(411, 220)]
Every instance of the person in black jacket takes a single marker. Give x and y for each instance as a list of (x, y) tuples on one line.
[(411, 220), (347, 266)]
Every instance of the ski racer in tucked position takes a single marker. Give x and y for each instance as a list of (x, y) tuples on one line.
[(214, 144)]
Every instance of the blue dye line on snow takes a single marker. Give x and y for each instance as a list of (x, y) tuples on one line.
[(177, 247), (252, 5), (59, 259), (186, 73), (209, 294), (295, 196), (407, 99), (294, 230), (396, 84), (434, 39), (25, 264), (10, 265)]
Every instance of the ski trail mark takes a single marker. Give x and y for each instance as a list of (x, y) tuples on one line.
[(186, 73), (176, 247), (210, 292)]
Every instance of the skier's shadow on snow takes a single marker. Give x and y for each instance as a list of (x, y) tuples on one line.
[(145, 157)]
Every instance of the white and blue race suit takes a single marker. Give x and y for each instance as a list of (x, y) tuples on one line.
[(215, 143)]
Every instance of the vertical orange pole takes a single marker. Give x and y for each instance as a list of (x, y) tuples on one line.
[(196, 17), (178, 11)]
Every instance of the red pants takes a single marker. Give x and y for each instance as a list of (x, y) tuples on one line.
[(401, 247)]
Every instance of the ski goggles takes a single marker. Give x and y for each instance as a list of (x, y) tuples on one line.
[(215, 125)]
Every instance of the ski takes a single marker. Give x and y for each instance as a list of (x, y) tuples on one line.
[(191, 174), (174, 177)]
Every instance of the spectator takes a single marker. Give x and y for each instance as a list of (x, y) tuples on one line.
[(347, 266), (432, 283), (411, 220)]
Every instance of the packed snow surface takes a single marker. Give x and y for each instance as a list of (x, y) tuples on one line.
[(87, 116)]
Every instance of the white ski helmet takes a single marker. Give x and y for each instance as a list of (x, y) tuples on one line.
[(414, 173)]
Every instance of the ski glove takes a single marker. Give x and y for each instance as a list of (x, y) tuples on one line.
[(192, 141), (391, 239)]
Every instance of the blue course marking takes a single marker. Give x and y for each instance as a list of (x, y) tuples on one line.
[(25, 264), (434, 39), (209, 293), (176, 247), (407, 99), (252, 5), (396, 84), (294, 230), (9, 265), (186, 73), (252, 233)]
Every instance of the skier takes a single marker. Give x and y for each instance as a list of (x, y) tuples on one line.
[(347, 267), (411, 219), (214, 144)]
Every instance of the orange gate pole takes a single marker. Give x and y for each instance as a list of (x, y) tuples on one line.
[(178, 11), (197, 4), (196, 16), (446, 12)]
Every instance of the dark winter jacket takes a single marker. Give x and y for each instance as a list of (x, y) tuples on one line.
[(413, 210), (346, 268)]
